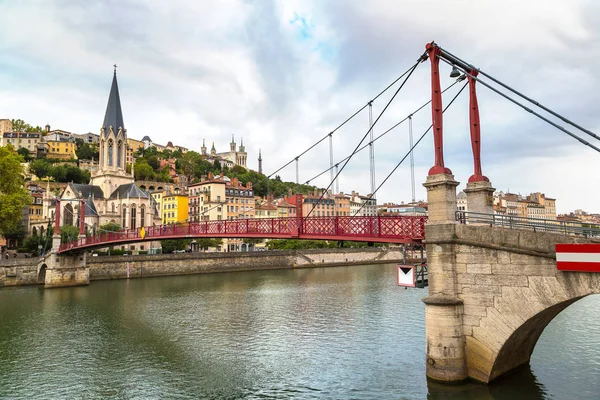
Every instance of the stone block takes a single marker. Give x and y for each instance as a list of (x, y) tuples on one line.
[(523, 269), (476, 310), (480, 359), (483, 290), (501, 280), (484, 300), (479, 268), (471, 320), (522, 259), (440, 232)]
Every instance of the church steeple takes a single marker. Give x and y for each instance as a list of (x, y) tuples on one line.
[(114, 116), (113, 136)]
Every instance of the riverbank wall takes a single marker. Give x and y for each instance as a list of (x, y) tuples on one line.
[(24, 272)]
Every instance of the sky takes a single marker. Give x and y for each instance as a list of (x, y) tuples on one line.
[(283, 74)]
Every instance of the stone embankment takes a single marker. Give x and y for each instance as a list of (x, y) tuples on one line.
[(23, 272)]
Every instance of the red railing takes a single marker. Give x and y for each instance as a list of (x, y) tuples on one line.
[(397, 229)]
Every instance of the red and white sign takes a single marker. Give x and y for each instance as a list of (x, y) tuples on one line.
[(405, 275), (578, 257)]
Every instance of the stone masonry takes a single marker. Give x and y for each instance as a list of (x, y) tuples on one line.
[(492, 290)]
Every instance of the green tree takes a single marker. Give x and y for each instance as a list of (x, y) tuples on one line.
[(143, 171), (23, 152), (13, 196), (110, 227), (170, 245), (86, 151), (18, 125), (76, 175), (16, 233), (205, 243), (40, 168), (153, 161), (32, 243), (68, 233), (58, 172)]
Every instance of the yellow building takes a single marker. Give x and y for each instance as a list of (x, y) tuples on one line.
[(132, 148), (174, 208), (60, 150)]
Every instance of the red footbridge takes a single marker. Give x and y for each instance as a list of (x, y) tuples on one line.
[(395, 229)]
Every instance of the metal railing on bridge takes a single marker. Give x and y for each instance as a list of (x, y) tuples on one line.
[(384, 229), (535, 224)]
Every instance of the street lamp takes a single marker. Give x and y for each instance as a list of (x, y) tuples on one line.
[(455, 72)]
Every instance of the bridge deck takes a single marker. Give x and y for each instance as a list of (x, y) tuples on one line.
[(395, 229)]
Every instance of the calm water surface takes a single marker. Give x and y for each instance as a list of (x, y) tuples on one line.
[(331, 333)]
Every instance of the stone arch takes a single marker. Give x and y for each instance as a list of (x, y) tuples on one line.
[(492, 292), (151, 187), (143, 187), (68, 215), (159, 188), (34, 231), (518, 348), (41, 231), (113, 208), (41, 277)]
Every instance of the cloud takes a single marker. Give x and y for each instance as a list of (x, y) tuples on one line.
[(283, 74)]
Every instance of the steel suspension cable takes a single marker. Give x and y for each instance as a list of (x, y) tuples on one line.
[(582, 141), (538, 104), (347, 120), (409, 151), (420, 60), (387, 131)]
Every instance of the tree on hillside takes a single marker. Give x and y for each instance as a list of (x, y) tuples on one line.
[(13, 196), (40, 168), (154, 162), (142, 171), (18, 125), (23, 152), (86, 151)]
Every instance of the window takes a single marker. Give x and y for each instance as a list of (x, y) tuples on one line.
[(110, 153), (142, 217), (133, 217)]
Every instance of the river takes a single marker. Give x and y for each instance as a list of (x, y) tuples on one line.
[(323, 333)]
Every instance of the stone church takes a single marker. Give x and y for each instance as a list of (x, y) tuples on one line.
[(112, 195)]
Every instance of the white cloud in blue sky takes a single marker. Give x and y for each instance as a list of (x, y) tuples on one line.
[(282, 74)]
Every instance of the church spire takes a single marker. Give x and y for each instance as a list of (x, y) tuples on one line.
[(114, 115)]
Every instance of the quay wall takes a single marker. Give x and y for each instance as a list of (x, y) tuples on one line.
[(138, 266)]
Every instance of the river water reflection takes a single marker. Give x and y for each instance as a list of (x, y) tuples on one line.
[(332, 333)]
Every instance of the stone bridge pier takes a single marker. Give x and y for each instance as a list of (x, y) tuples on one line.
[(57, 270), (492, 290)]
